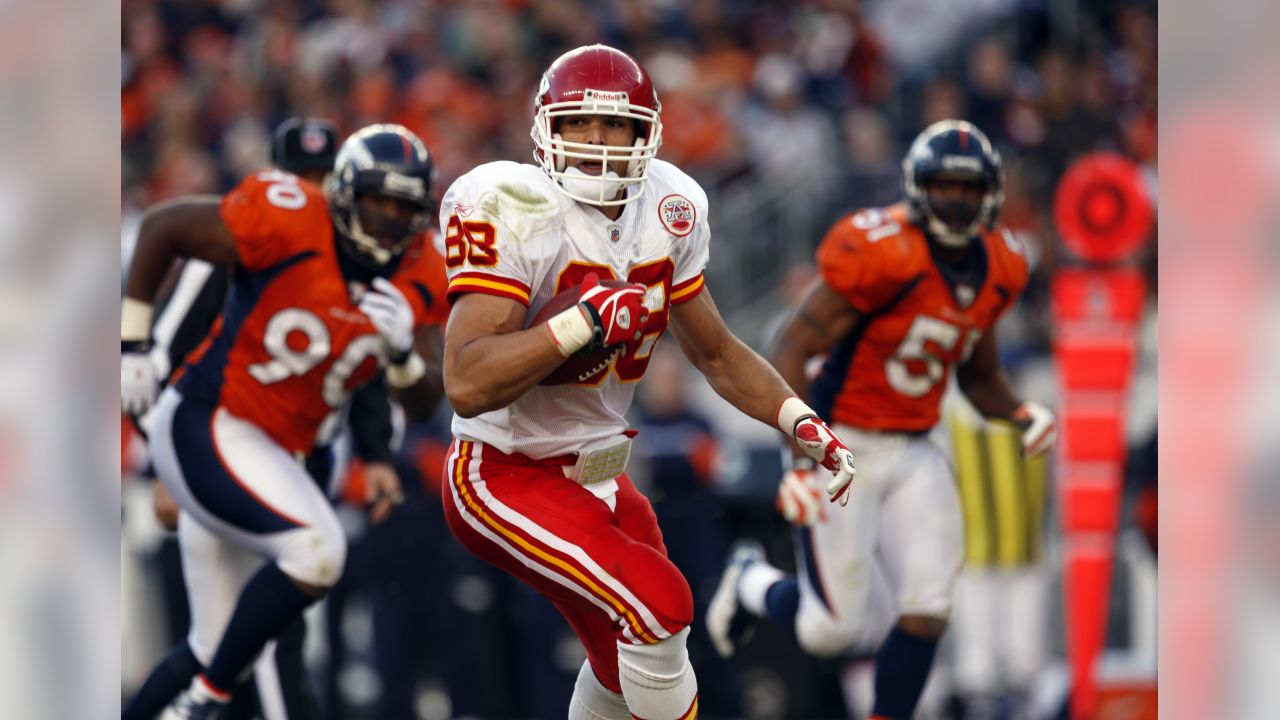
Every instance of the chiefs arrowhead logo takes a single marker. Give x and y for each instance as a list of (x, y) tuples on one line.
[(677, 215)]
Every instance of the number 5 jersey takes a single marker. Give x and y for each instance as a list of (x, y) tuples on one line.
[(917, 317), (508, 231)]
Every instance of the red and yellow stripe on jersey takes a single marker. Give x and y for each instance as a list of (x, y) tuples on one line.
[(488, 284)]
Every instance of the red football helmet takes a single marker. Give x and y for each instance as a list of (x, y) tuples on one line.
[(596, 80)]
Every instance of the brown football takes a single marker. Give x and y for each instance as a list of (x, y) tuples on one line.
[(580, 366)]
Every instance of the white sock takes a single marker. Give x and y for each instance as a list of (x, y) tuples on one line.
[(754, 583), (593, 701), (657, 680)]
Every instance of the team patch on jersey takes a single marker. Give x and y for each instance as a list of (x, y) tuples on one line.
[(677, 215), (462, 210)]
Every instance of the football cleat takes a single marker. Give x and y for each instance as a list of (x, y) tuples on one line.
[(193, 704), (729, 624)]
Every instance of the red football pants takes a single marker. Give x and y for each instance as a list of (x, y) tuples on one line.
[(605, 570)]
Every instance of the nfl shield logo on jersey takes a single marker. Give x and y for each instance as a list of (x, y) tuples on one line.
[(964, 295), (677, 215), (615, 233)]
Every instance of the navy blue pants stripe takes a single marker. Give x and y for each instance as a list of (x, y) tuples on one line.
[(210, 482), (805, 537)]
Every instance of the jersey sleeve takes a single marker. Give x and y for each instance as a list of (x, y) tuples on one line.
[(493, 228), (855, 267), (692, 252), (273, 216), (425, 285), (1011, 266)]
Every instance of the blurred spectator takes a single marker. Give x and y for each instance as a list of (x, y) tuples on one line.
[(791, 144)]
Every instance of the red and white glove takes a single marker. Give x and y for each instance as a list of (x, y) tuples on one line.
[(1039, 428), (800, 498), (617, 314), (604, 316), (818, 442)]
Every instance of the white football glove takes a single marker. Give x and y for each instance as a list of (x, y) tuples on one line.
[(800, 498), (1039, 428), (139, 382), (818, 442), (389, 311)]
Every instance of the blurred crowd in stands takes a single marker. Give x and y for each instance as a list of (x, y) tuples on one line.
[(816, 95)]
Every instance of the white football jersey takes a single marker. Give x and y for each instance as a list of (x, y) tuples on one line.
[(508, 231)]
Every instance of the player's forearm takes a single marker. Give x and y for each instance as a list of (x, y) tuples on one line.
[(991, 395), (421, 399), (789, 361), (491, 372), (371, 422), (747, 381)]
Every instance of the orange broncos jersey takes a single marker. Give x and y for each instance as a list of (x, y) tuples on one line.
[(291, 343), (890, 371)]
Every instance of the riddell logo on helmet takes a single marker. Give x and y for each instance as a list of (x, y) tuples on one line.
[(677, 215), (609, 96)]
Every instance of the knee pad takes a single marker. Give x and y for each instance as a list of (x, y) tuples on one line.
[(663, 659), (315, 554), (659, 586), (657, 679)]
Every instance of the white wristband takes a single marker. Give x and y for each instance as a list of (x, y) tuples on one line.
[(407, 373), (792, 410), (571, 330), (135, 320)]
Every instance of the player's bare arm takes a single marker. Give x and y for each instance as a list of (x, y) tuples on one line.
[(190, 227), (750, 384), (420, 399), (734, 370), (984, 382), (186, 227), (489, 361), (822, 319)]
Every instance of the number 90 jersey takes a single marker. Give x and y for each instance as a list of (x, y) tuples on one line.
[(291, 344), (890, 371), (508, 231)]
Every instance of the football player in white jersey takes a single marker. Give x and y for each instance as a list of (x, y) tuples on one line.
[(535, 482)]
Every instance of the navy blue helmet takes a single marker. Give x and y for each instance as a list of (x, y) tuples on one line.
[(953, 150), (388, 161)]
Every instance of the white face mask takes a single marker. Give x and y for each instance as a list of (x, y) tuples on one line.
[(595, 187)]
